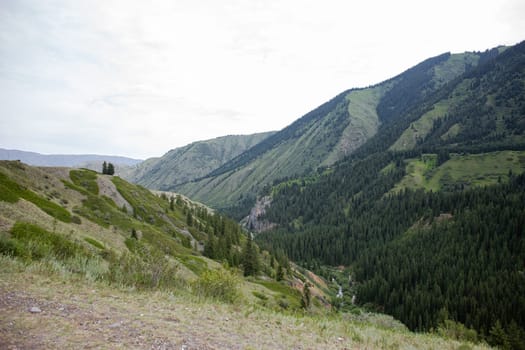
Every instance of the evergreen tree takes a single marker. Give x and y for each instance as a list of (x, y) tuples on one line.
[(104, 168), (250, 260), (110, 169)]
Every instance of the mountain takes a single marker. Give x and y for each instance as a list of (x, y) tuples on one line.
[(327, 134), (429, 212), (94, 260), (65, 160), (190, 162)]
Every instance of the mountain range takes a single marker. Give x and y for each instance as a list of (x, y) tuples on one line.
[(413, 183), (414, 188), (65, 160), (317, 140)]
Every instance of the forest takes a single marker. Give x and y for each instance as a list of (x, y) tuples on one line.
[(425, 257)]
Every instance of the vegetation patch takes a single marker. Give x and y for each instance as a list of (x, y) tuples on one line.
[(196, 264), (461, 171), (11, 191), (87, 179), (221, 285), (31, 242), (144, 268), (94, 243)]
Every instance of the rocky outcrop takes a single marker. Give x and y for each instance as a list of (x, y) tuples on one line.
[(255, 221)]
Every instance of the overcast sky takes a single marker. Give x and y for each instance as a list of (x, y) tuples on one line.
[(138, 78)]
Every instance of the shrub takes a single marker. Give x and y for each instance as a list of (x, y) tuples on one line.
[(33, 242), (76, 220), (221, 285), (457, 330), (143, 268)]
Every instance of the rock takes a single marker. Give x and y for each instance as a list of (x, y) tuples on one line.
[(35, 310)]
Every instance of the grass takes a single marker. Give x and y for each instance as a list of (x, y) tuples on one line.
[(98, 315), (94, 243), (462, 170), (421, 127), (86, 179), (11, 192)]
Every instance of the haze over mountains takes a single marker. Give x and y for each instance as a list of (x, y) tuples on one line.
[(66, 160)]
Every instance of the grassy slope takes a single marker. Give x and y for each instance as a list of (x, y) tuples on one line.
[(190, 162), (468, 170), (444, 72), (293, 156), (364, 122), (300, 155), (78, 313)]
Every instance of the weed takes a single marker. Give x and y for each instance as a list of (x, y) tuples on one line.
[(94, 243), (221, 285)]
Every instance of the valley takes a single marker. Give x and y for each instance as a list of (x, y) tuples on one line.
[(391, 216)]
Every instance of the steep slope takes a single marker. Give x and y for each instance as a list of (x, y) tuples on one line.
[(104, 229), (325, 135), (430, 218), (67, 160), (190, 162)]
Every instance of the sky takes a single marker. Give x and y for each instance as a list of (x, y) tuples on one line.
[(138, 78)]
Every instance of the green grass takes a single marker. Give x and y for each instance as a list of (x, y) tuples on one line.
[(94, 243), (462, 170), (86, 179), (421, 127), (454, 66), (287, 297), (31, 242), (11, 191), (196, 264)]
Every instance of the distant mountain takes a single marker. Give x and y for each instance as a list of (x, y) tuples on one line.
[(327, 134), (184, 164), (65, 160)]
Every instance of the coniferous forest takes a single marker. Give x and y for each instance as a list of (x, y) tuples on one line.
[(426, 256)]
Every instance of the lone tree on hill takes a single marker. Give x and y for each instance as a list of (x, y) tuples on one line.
[(108, 168)]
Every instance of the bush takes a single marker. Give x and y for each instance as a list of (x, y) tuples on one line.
[(221, 285), (32, 242), (456, 330), (144, 268)]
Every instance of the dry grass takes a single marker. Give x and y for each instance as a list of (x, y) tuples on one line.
[(82, 314)]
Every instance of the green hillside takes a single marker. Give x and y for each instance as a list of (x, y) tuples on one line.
[(91, 260), (190, 162), (323, 136), (428, 213)]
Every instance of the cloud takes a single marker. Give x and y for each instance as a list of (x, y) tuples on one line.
[(139, 78)]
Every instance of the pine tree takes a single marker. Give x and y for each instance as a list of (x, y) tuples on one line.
[(110, 169), (104, 168), (250, 260)]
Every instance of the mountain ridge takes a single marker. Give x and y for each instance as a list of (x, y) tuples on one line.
[(326, 134), (65, 160)]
